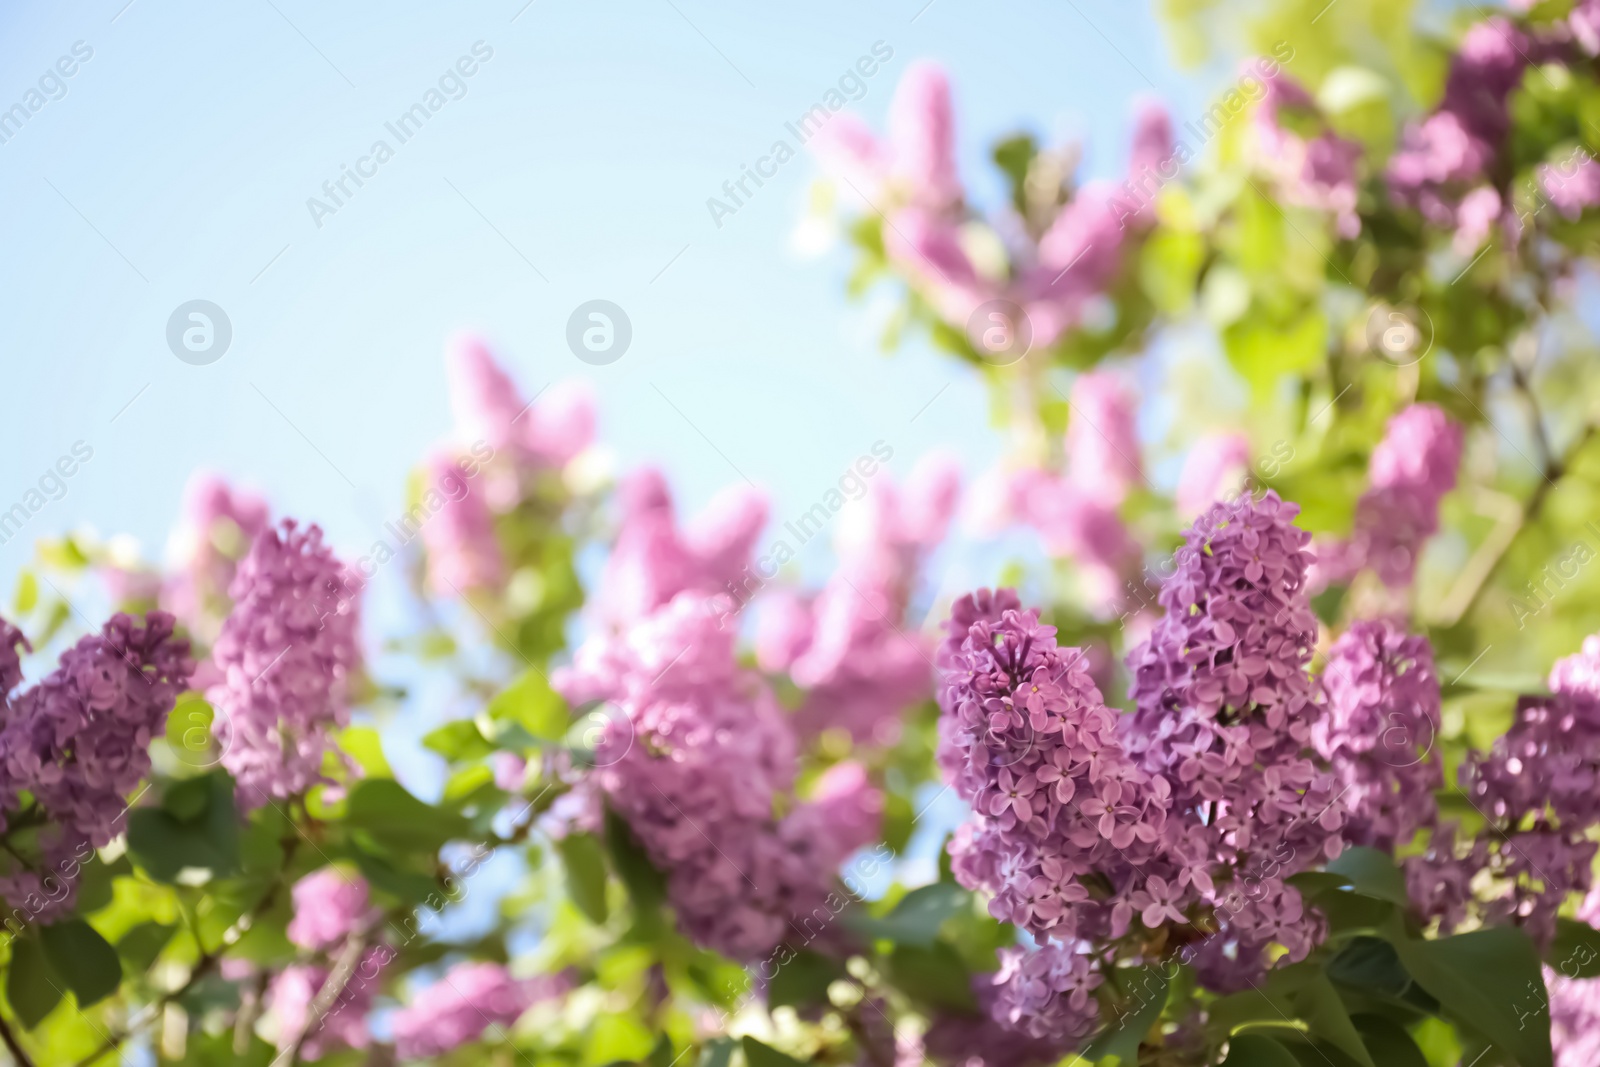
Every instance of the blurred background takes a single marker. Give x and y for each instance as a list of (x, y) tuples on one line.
[(576, 164)]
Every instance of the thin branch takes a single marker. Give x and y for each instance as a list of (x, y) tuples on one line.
[(11, 1043), (343, 970)]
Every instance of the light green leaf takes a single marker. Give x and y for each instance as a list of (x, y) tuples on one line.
[(585, 865)]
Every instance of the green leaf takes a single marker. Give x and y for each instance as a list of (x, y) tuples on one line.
[(362, 744), (140, 946), (585, 865), (1318, 1003), (1314, 883), (1488, 980), (1388, 1042), (646, 887), (916, 919), (717, 1053), (84, 960), (1371, 965), (30, 987), (1372, 874), (165, 844), (803, 981), (398, 820), (661, 1055), (936, 975), (1123, 1035), (459, 740), (758, 1055), (1257, 1050), (530, 702), (411, 886), (1575, 953)]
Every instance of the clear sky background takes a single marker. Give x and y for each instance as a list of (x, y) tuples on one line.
[(178, 164)]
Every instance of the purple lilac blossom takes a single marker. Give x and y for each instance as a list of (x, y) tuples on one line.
[(329, 905), (1378, 734), (469, 999), (694, 761), (1539, 789), (287, 655), (1226, 711), (79, 742), (458, 530)]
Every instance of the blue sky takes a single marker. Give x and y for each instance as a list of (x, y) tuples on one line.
[(576, 166)]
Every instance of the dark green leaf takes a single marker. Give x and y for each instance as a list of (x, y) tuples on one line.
[(758, 1055), (411, 886), (398, 820), (1257, 1050), (661, 1055), (1348, 912), (1575, 953), (916, 919), (586, 874), (1148, 989), (1314, 883), (188, 799), (717, 1053), (935, 975), (1318, 1003), (140, 946), (94, 888), (1487, 979), (459, 740), (85, 961), (208, 839), (803, 981), (1372, 874), (1371, 965), (30, 987), (1388, 1042)]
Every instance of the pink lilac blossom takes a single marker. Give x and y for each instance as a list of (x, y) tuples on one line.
[(1216, 465), (1226, 710), (469, 999), (1575, 1002), (1102, 443), (1454, 149), (852, 646), (654, 560), (1318, 173), (1379, 731), (1074, 525), (694, 760), (1573, 185), (329, 905), (79, 742), (1412, 469), (287, 655), (912, 180), (458, 529), (218, 527), (1539, 790), (344, 1024)]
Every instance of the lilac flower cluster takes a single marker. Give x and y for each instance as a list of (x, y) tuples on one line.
[(1317, 173), (1575, 1002), (851, 646), (219, 525), (1378, 734), (330, 907), (1053, 262), (79, 742), (504, 453), (1226, 709), (694, 760), (1538, 789), (653, 560), (469, 999), (1450, 153), (1412, 469), (1075, 513), (286, 656)]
